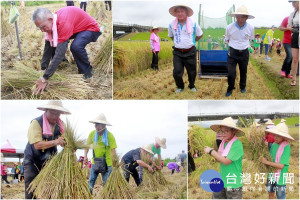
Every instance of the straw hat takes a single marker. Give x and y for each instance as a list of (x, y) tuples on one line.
[(100, 119), (242, 11), (282, 130), (269, 122), (148, 148), (190, 11), (228, 122), (282, 120), (161, 142), (278, 39), (155, 27), (54, 105), (179, 164)]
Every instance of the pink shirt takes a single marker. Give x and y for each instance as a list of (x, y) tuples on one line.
[(3, 170), (71, 20), (287, 36), (155, 39)]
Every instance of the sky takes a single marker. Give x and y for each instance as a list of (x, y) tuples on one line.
[(156, 12), (134, 123)]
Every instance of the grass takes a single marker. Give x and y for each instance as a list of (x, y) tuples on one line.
[(252, 190), (291, 121)]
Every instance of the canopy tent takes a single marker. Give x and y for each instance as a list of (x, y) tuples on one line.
[(9, 151)]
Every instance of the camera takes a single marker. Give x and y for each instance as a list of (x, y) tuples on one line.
[(295, 28)]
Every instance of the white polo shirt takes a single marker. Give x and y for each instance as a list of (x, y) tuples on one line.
[(181, 38), (239, 37)]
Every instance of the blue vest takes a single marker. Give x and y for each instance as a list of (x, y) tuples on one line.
[(40, 156)]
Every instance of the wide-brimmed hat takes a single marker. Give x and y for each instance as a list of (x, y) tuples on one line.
[(148, 148), (100, 119), (242, 10), (257, 34), (54, 105), (155, 27), (227, 122), (179, 164), (281, 129), (172, 10), (282, 120), (161, 142), (269, 122)]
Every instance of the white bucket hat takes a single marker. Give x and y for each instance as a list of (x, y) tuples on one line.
[(228, 122), (242, 10), (161, 142), (282, 130), (148, 148), (269, 122), (100, 119), (54, 105), (172, 10), (155, 27)]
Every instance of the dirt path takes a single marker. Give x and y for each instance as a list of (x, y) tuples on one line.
[(160, 85)]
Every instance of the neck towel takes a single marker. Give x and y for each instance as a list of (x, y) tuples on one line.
[(53, 37), (224, 152), (187, 22), (104, 137), (46, 126), (278, 156)]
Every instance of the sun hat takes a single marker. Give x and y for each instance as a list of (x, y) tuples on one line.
[(227, 122), (161, 142), (242, 10), (155, 27), (278, 39), (148, 148), (179, 164), (281, 129), (172, 10), (100, 119), (282, 120), (54, 105), (269, 122)]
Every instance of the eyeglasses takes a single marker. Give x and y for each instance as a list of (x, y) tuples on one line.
[(223, 132)]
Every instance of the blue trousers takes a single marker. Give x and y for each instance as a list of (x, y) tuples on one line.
[(78, 50), (93, 177)]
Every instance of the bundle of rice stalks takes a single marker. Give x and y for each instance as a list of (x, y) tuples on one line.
[(61, 177), (158, 175), (255, 149), (103, 57), (20, 83), (86, 171), (199, 138), (116, 186), (149, 183), (6, 28)]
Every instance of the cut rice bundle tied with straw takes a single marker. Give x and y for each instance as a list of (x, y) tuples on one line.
[(158, 175), (149, 183), (20, 83), (116, 186), (61, 177)]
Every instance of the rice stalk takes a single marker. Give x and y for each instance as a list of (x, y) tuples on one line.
[(149, 183), (20, 82), (61, 177), (158, 175), (116, 186)]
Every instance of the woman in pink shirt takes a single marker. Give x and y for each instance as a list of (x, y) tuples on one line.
[(155, 46)]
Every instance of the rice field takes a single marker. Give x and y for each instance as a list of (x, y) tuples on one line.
[(32, 45), (253, 191)]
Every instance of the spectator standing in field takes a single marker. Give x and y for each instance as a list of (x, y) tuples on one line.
[(293, 25), (256, 44), (287, 38), (268, 42), (238, 34), (278, 47), (155, 46), (70, 3), (83, 4), (184, 33)]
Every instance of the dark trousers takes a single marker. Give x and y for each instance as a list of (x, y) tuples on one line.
[(83, 4), (70, 3), (134, 173), (237, 57), (187, 60), (107, 5), (4, 177), (154, 64), (78, 50), (287, 63), (30, 172), (191, 163), (261, 47), (173, 170)]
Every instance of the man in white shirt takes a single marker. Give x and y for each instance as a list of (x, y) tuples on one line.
[(184, 33), (238, 36)]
